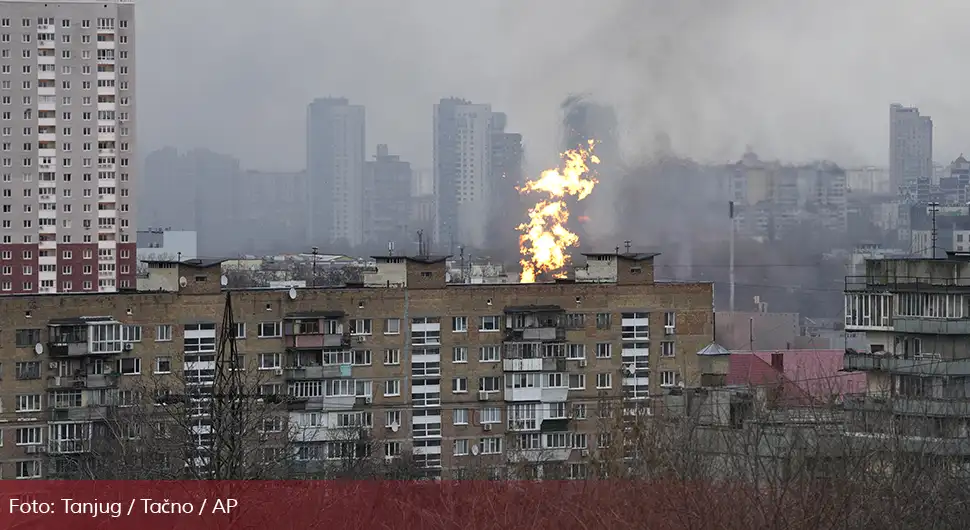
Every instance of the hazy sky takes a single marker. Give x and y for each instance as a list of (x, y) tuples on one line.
[(796, 79)]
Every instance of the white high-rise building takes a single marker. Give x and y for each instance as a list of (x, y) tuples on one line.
[(910, 146), (462, 171), (67, 146)]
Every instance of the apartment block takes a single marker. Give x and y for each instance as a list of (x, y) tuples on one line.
[(458, 378), (67, 146), (915, 314)]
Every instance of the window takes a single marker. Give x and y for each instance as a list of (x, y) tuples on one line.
[(459, 385), (392, 418), (491, 415), (667, 349), (461, 447), (603, 440), (491, 446), (362, 358), (425, 331), (459, 354), (360, 326), (240, 330), (670, 322), (131, 334), (28, 403), (28, 469), (163, 365), (163, 333), (490, 384), (27, 337), (28, 370), (270, 330), (460, 416), (604, 380), (603, 321), (489, 354), (392, 326), (636, 326), (459, 324), (577, 381), (130, 366), (604, 350), (575, 351), (669, 378), (392, 449), (392, 357), (30, 436), (392, 387), (270, 361), (579, 413), (199, 338), (490, 323), (574, 320)]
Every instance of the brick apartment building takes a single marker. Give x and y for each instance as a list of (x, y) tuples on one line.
[(453, 376)]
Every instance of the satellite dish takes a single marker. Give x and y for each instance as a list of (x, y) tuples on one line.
[(182, 281), (224, 280), (394, 427), (38, 348), (292, 293), (631, 369), (475, 450)]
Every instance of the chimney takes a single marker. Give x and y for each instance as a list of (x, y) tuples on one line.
[(778, 361), (381, 150)]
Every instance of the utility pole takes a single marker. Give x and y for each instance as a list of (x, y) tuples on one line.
[(731, 257), (934, 207), (313, 281)]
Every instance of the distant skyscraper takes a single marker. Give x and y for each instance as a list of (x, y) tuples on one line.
[(910, 146), (507, 208), (68, 157), (387, 200), (335, 172), (462, 172)]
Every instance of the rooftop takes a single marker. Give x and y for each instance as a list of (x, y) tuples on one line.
[(198, 263), (427, 260), (632, 256)]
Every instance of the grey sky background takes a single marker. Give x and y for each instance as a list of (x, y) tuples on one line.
[(796, 79)]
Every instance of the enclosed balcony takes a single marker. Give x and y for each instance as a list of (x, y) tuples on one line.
[(535, 323), (316, 329), (75, 337), (924, 364)]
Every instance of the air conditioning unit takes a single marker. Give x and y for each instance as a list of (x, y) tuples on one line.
[(361, 339), (53, 365), (482, 395), (31, 449), (128, 346), (278, 371), (584, 453), (487, 427), (668, 330), (582, 363), (368, 400)]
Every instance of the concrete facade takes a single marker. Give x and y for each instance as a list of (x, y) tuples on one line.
[(67, 145)]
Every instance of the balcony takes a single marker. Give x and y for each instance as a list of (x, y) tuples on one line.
[(300, 373), (79, 413), (924, 365), (911, 406), (534, 365), (68, 446), (931, 326)]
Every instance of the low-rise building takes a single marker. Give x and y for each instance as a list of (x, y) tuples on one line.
[(453, 378)]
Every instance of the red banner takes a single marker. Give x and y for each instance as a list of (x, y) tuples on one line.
[(466, 505)]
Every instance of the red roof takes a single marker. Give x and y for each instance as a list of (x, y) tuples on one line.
[(807, 376)]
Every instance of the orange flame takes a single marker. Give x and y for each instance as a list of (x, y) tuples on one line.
[(545, 239)]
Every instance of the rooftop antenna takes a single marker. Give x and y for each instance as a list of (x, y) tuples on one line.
[(617, 251), (934, 207), (420, 242), (390, 248), (731, 257), (626, 244), (461, 257)]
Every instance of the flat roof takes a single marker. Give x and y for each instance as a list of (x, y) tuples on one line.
[(198, 263), (534, 309), (427, 260), (632, 256)]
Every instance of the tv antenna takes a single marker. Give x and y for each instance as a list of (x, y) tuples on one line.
[(626, 244)]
